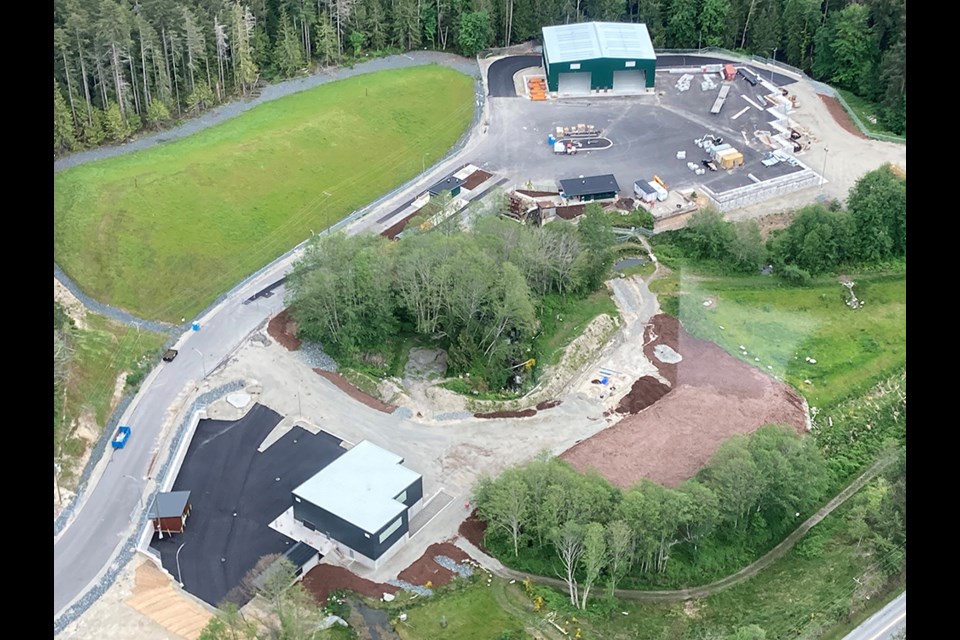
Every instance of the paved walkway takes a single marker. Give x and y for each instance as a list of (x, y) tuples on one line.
[(677, 595)]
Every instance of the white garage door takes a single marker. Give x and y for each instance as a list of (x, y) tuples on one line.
[(632, 81), (574, 84)]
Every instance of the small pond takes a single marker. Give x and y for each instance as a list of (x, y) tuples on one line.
[(623, 263)]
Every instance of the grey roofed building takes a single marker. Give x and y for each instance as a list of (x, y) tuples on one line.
[(450, 183), (361, 486), (168, 505), (590, 186), (591, 40)]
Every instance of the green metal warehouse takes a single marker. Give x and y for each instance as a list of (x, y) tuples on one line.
[(578, 58)]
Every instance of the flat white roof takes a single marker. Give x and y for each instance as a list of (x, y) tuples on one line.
[(360, 487), (591, 40)]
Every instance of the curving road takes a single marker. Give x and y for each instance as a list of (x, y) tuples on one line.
[(887, 624), (113, 504)]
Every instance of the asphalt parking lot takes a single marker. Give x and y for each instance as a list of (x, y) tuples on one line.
[(235, 493), (647, 132)]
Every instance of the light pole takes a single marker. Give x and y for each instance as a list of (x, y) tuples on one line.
[(771, 66), (179, 576), (140, 495), (825, 151), (203, 361)]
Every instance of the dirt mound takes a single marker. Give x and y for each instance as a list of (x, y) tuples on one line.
[(324, 578), (526, 413), (841, 116), (283, 328), (473, 529), (643, 393), (344, 385), (713, 396), (548, 404), (426, 569)]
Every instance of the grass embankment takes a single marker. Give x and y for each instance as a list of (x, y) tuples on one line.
[(783, 325), (101, 352), (162, 232), (866, 110)]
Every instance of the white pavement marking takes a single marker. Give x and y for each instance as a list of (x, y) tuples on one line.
[(886, 628), (740, 113)]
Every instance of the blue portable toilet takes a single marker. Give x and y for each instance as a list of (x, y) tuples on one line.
[(551, 140), (196, 326), (604, 380)]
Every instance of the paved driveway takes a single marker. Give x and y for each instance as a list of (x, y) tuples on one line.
[(236, 492)]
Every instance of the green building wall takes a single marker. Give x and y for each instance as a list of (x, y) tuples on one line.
[(600, 70)]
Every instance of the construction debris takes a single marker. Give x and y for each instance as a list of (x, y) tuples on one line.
[(683, 84)]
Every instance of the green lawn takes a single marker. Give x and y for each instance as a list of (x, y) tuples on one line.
[(472, 613), (866, 110), (100, 353), (162, 232), (783, 325), (574, 314)]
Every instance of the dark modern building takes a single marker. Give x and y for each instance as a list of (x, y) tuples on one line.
[(599, 56), (362, 501), (588, 188), (169, 512), (450, 184)]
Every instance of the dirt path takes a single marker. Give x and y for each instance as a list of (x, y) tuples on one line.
[(679, 595)]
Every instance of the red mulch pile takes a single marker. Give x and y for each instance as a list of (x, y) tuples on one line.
[(355, 393), (713, 397), (841, 116), (473, 529), (537, 194), (526, 413), (426, 569), (475, 179), (283, 329), (324, 578), (644, 393), (548, 404)]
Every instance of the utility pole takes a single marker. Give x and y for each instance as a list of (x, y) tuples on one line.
[(771, 66), (825, 151)]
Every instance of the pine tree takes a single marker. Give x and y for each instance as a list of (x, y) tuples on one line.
[(63, 134), (242, 24), (287, 52)]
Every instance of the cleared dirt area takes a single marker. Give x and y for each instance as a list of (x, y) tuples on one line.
[(473, 529), (713, 397), (283, 329), (326, 578), (355, 393), (643, 393), (841, 116), (526, 413), (426, 569)]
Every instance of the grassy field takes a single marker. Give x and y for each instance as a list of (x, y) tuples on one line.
[(100, 353), (783, 325), (162, 232), (471, 614), (865, 110), (576, 314)]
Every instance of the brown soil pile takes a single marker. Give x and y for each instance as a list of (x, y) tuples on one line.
[(355, 393), (526, 413), (714, 396), (283, 329), (475, 179), (548, 404), (473, 529), (841, 116), (644, 393), (324, 578), (426, 569)]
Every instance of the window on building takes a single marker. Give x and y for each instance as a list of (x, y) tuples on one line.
[(402, 497), (391, 529)]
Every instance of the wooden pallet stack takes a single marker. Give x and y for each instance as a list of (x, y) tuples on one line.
[(538, 89)]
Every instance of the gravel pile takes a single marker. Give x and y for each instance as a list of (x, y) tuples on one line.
[(462, 570), (453, 415), (313, 354), (404, 413), (412, 588)]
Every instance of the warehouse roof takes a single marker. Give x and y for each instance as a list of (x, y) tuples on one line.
[(589, 185), (590, 40), (360, 487)]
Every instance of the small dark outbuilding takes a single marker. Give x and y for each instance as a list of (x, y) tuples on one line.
[(588, 188), (450, 183), (169, 511)]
